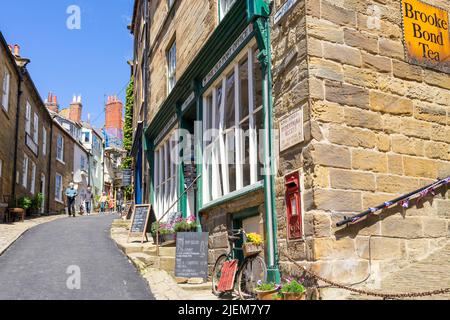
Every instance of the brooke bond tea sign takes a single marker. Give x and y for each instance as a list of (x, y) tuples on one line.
[(426, 35)]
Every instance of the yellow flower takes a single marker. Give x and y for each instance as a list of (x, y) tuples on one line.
[(254, 238)]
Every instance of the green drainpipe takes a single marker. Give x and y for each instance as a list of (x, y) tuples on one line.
[(260, 10)]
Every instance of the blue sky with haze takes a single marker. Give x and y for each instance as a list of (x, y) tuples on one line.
[(90, 61)]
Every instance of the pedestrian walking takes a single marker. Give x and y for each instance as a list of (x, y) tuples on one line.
[(111, 204), (88, 201), (103, 200), (71, 194), (119, 198)]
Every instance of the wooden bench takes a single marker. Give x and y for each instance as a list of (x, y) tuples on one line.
[(13, 212)]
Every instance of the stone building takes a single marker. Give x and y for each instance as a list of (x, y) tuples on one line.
[(358, 121)]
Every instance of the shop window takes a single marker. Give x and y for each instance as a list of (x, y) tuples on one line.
[(233, 119), (171, 67), (224, 7), (58, 187), (165, 176), (5, 90)]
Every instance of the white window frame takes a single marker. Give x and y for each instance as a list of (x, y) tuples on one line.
[(171, 66), (5, 90), (25, 171), (33, 178), (28, 118), (58, 192), (224, 7), (36, 128), (170, 3), (44, 141), (165, 179), (215, 178), (60, 148)]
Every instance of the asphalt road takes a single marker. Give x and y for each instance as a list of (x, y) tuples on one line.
[(70, 259)]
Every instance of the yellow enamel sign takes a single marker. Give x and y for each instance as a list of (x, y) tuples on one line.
[(426, 35)]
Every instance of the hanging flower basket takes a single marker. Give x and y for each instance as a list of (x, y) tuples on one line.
[(251, 249)]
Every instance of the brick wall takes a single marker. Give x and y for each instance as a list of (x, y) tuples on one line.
[(378, 128)]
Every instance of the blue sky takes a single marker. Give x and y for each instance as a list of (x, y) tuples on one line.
[(90, 61)]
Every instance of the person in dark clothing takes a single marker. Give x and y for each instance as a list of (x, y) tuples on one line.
[(119, 203), (71, 194), (88, 201)]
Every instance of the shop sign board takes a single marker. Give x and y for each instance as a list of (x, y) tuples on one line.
[(227, 56), (291, 130), (139, 221), (191, 259), (283, 10), (426, 35), (227, 276), (126, 177)]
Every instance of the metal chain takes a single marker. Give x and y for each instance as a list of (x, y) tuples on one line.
[(367, 292)]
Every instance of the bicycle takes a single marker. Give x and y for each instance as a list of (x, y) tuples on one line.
[(250, 271)]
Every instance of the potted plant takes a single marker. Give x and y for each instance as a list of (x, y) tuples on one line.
[(36, 204), (293, 290), (156, 226), (185, 225), (267, 291), (167, 233), (253, 245)]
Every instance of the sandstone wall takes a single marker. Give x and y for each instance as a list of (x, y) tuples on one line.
[(378, 128), (189, 24)]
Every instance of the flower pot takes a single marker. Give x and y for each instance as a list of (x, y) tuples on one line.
[(169, 237), (294, 296), (267, 295)]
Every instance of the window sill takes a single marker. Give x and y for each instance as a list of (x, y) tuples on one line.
[(60, 161), (6, 112), (233, 195), (59, 201)]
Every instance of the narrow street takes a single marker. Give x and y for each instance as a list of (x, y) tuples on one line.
[(35, 266)]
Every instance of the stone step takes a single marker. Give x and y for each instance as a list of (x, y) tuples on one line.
[(163, 251), (197, 287), (129, 248), (167, 264)]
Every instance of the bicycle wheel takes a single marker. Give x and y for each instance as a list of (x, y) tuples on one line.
[(217, 273), (253, 269)]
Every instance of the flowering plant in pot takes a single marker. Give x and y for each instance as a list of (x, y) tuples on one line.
[(166, 232), (267, 291), (293, 290), (185, 225), (253, 245)]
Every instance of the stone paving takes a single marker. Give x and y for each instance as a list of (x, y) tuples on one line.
[(12, 231), (162, 284)]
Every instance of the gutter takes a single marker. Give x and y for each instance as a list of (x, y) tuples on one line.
[(16, 143)]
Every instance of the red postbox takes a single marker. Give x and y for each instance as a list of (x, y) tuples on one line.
[(293, 207)]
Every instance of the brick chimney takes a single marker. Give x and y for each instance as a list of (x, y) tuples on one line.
[(52, 102), (76, 108), (20, 61), (113, 113)]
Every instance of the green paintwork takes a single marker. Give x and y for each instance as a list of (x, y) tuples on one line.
[(257, 8)]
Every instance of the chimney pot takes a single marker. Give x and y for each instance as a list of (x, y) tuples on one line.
[(17, 50)]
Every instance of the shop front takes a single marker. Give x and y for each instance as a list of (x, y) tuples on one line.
[(210, 145)]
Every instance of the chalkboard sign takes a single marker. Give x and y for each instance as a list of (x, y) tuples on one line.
[(126, 177), (192, 255), (139, 221)]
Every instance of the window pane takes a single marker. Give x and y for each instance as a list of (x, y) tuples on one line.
[(246, 152), (230, 102), (243, 77), (257, 82), (231, 151), (218, 106)]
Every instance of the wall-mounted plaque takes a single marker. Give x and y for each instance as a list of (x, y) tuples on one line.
[(291, 130), (426, 35)]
